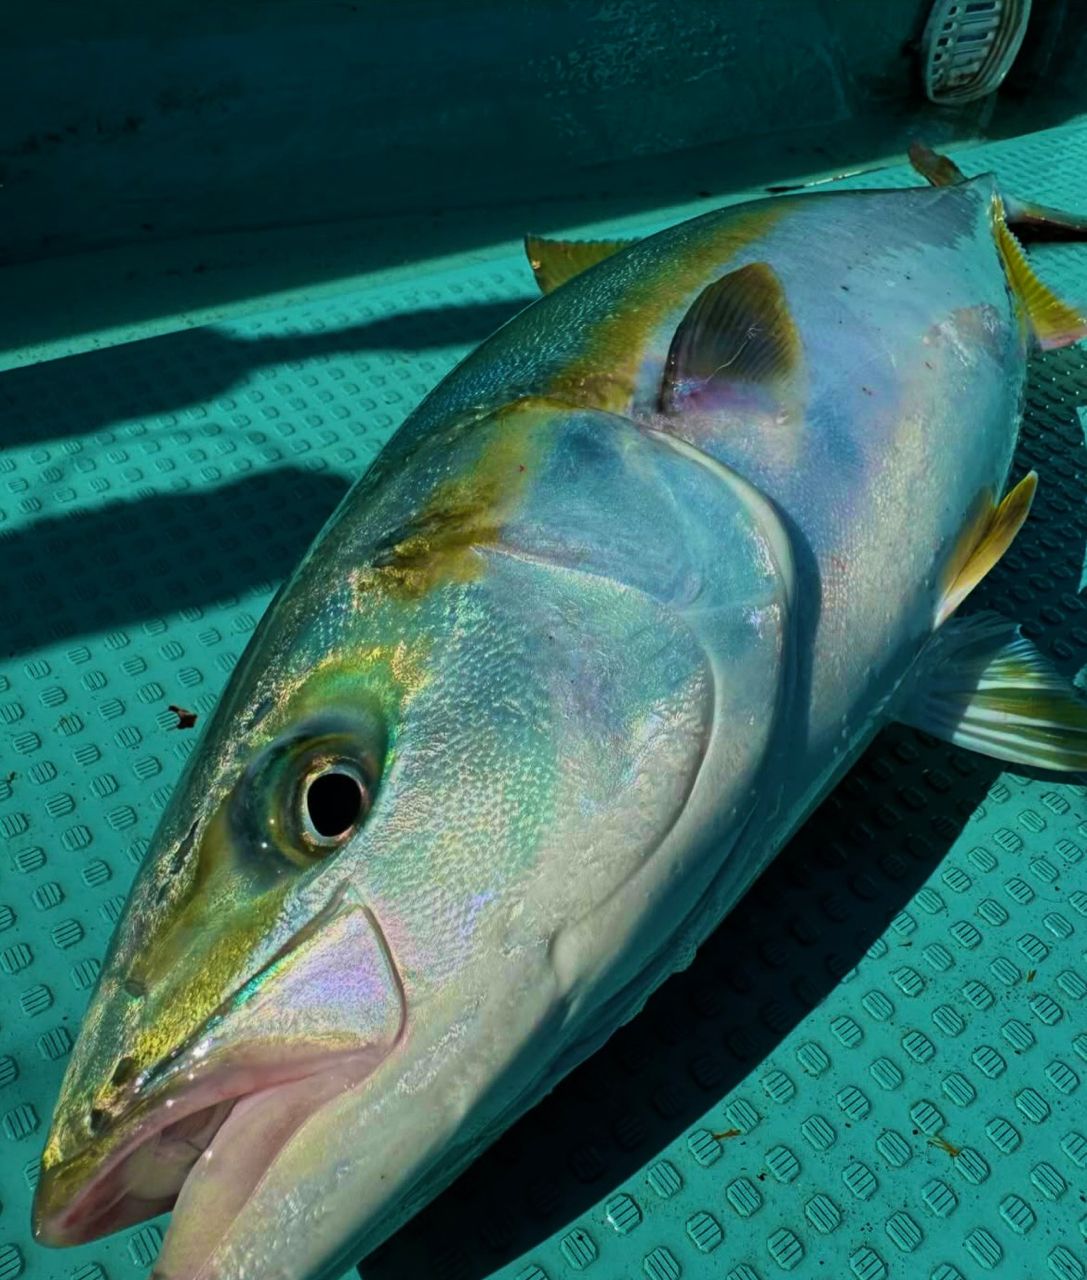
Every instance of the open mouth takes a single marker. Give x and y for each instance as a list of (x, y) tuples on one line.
[(228, 1129), (329, 1011)]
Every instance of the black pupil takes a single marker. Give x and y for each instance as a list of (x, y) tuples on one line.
[(334, 802)]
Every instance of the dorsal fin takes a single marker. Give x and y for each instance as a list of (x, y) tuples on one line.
[(937, 170), (553, 262), (1031, 221), (983, 544), (738, 330), (1053, 322)]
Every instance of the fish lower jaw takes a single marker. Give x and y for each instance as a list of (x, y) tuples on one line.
[(140, 1184), (215, 1132)]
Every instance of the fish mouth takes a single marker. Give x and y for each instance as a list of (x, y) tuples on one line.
[(201, 1139), (220, 1121)]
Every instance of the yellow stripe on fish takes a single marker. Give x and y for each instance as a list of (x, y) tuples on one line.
[(605, 373)]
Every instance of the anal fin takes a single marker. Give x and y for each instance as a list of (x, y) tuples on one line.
[(983, 686), (984, 542)]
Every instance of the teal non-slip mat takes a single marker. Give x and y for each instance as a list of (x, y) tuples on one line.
[(876, 1068)]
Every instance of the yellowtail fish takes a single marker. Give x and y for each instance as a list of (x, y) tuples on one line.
[(613, 610)]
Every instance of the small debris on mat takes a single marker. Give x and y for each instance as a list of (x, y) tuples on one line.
[(944, 1145), (728, 1133), (185, 719)]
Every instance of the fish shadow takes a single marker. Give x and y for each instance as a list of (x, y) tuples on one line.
[(825, 902), (138, 380), (130, 561), (135, 560), (807, 921)]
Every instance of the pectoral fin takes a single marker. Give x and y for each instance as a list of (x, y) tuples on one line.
[(553, 262), (738, 331), (1039, 222), (983, 686), (984, 543)]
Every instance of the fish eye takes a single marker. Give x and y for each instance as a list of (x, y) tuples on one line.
[(334, 800), (307, 793)]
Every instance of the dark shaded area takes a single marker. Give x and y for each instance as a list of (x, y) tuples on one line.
[(111, 385), (122, 124), (130, 125), (130, 561), (154, 166), (1048, 72), (806, 922)]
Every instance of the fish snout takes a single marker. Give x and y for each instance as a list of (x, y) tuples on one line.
[(313, 1021)]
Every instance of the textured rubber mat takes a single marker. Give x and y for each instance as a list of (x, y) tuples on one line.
[(876, 1068)]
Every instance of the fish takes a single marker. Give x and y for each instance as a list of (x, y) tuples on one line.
[(609, 615)]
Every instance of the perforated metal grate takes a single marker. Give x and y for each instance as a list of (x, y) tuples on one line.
[(968, 46)]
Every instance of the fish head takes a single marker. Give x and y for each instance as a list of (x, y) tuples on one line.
[(245, 966), (453, 806)]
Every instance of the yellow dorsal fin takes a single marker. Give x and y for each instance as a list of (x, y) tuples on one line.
[(1053, 322), (937, 170), (984, 542), (553, 262)]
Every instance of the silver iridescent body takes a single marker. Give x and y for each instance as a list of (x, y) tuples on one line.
[(595, 651)]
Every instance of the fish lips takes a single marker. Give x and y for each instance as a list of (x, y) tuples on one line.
[(317, 1019)]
